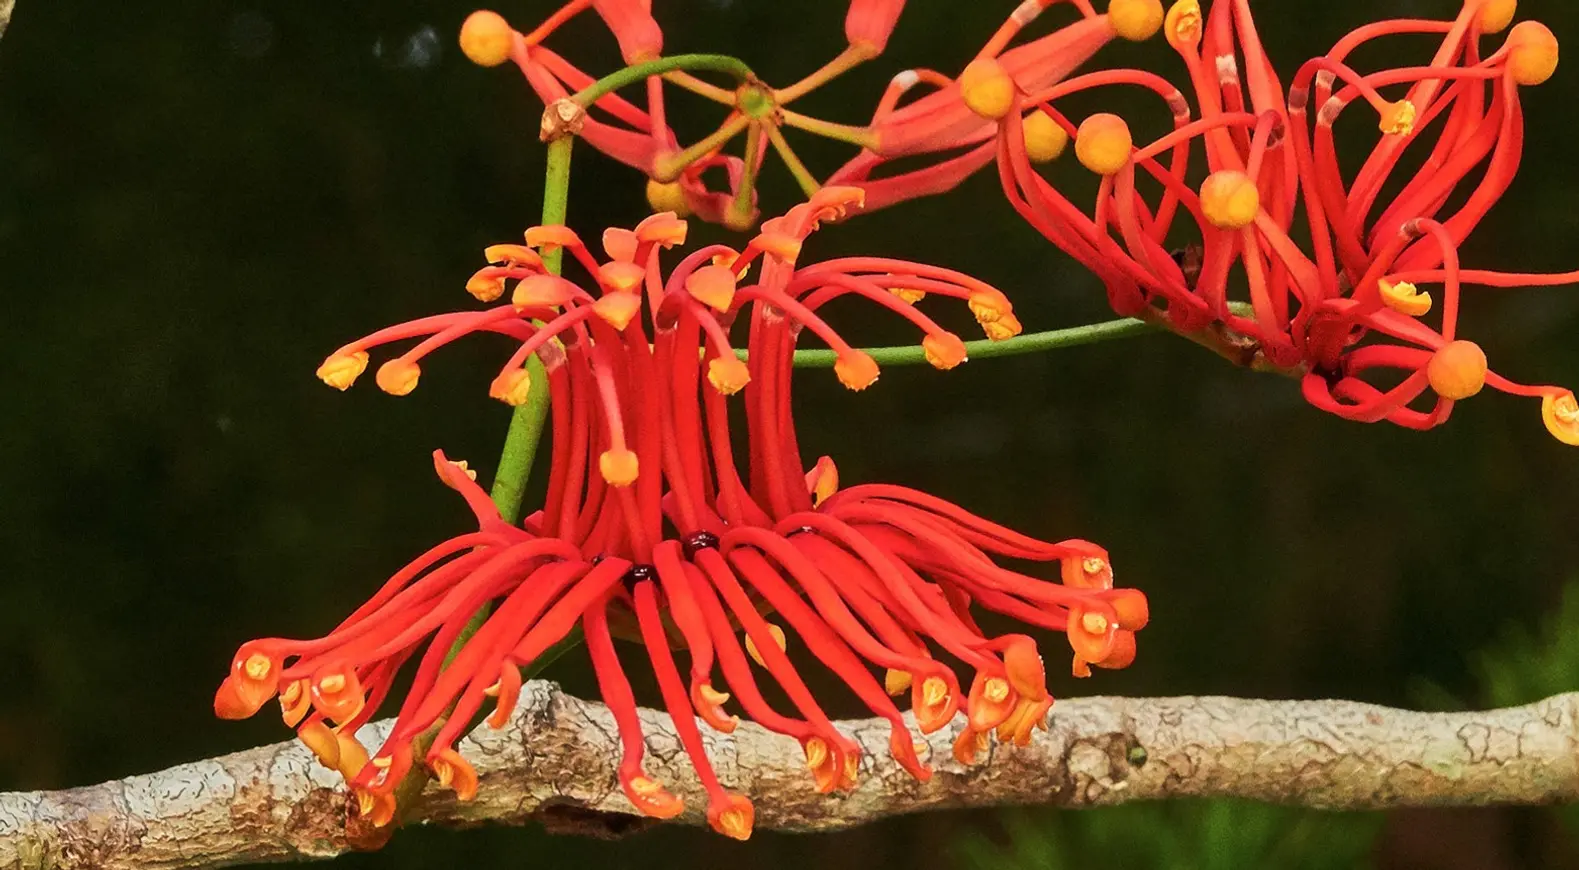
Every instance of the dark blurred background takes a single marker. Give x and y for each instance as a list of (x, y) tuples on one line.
[(200, 198)]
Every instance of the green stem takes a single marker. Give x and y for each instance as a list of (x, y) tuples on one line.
[(983, 349), (642, 71), (669, 167), (803, 177)]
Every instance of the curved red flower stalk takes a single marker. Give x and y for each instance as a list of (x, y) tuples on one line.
[(1346, 305), (652, 529), (959, 115)]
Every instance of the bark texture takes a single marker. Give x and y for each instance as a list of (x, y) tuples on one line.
[(555, 763)]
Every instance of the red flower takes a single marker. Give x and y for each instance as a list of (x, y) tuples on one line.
[(1351, 305), (651, 528)]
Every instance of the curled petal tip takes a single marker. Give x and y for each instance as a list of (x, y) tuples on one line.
[(733, 817), (1560, 413), (1182, 25), (1405, 298)]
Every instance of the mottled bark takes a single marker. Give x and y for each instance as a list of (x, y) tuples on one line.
[(555, 763)]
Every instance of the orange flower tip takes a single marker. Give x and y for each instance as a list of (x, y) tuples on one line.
[(728, 375), (1397, 119), (1026, 672), (1103, 143), (1131, 608), (822, 481), (856, 369), (1095, 623), (896, 682), (350, 754), (618, 309), (454, 772), (231, 703), (651, 798), (713, 286), (1457, 370), (623, 277), (988, 307), (1404, 298), (1093, 565), (620, 244), (1135, 20), (511, 387), (987, 88), (778, 637), (943, 350), (1230, 199), (541, 291), (398, 377), (817, 754), (341, 370), (377, 808), (1081, 669), (485, 287), (512, 255), (323, 742), (996, 690), (1532, 53), (782, 245), (1045, 139), (1560, 413), (903, 747), (1002, 329), (908, 295), (294, 703), (486, 38), (1496, 15), (734, 818), (1123, 654), (1182, 25), (551, 236), (969, 744), (833, 202), (667, 196), (665, 228), (619, 466)]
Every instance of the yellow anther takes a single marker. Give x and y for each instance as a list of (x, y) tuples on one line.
[(320, 738), (1135, 20), (944, 350), (645, 785), (996, 690), (331, 684), (341, 370), (1560, 413), (713, 286), (728, 375), (398, 377), (736, 823), (1397, 119), (934, 691), (1045, 139), (667, 196), (618, 309), (1457, 370), (484, 287), (908, 295), (1094, 623), (512, 255), (1405, 298), (988, 307), (1182, 27), (486, 38), (1103, 143), (896, 682), (816, 752), (1230, 199), (712, 695), (1093, 564), (1532, 53), (1496, 15), (1002, 329), (624, 277), (856, 369), (987, 88), (257, 666), (751, 646), (511, 387), (619, 466)]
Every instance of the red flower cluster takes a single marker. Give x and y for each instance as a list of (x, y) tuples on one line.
[(1332, 265), (652, 528)]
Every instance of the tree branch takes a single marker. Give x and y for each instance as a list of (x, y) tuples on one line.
[(6, 6), (555, 762)]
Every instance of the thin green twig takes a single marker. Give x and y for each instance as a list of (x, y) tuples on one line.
[(642, 71)]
